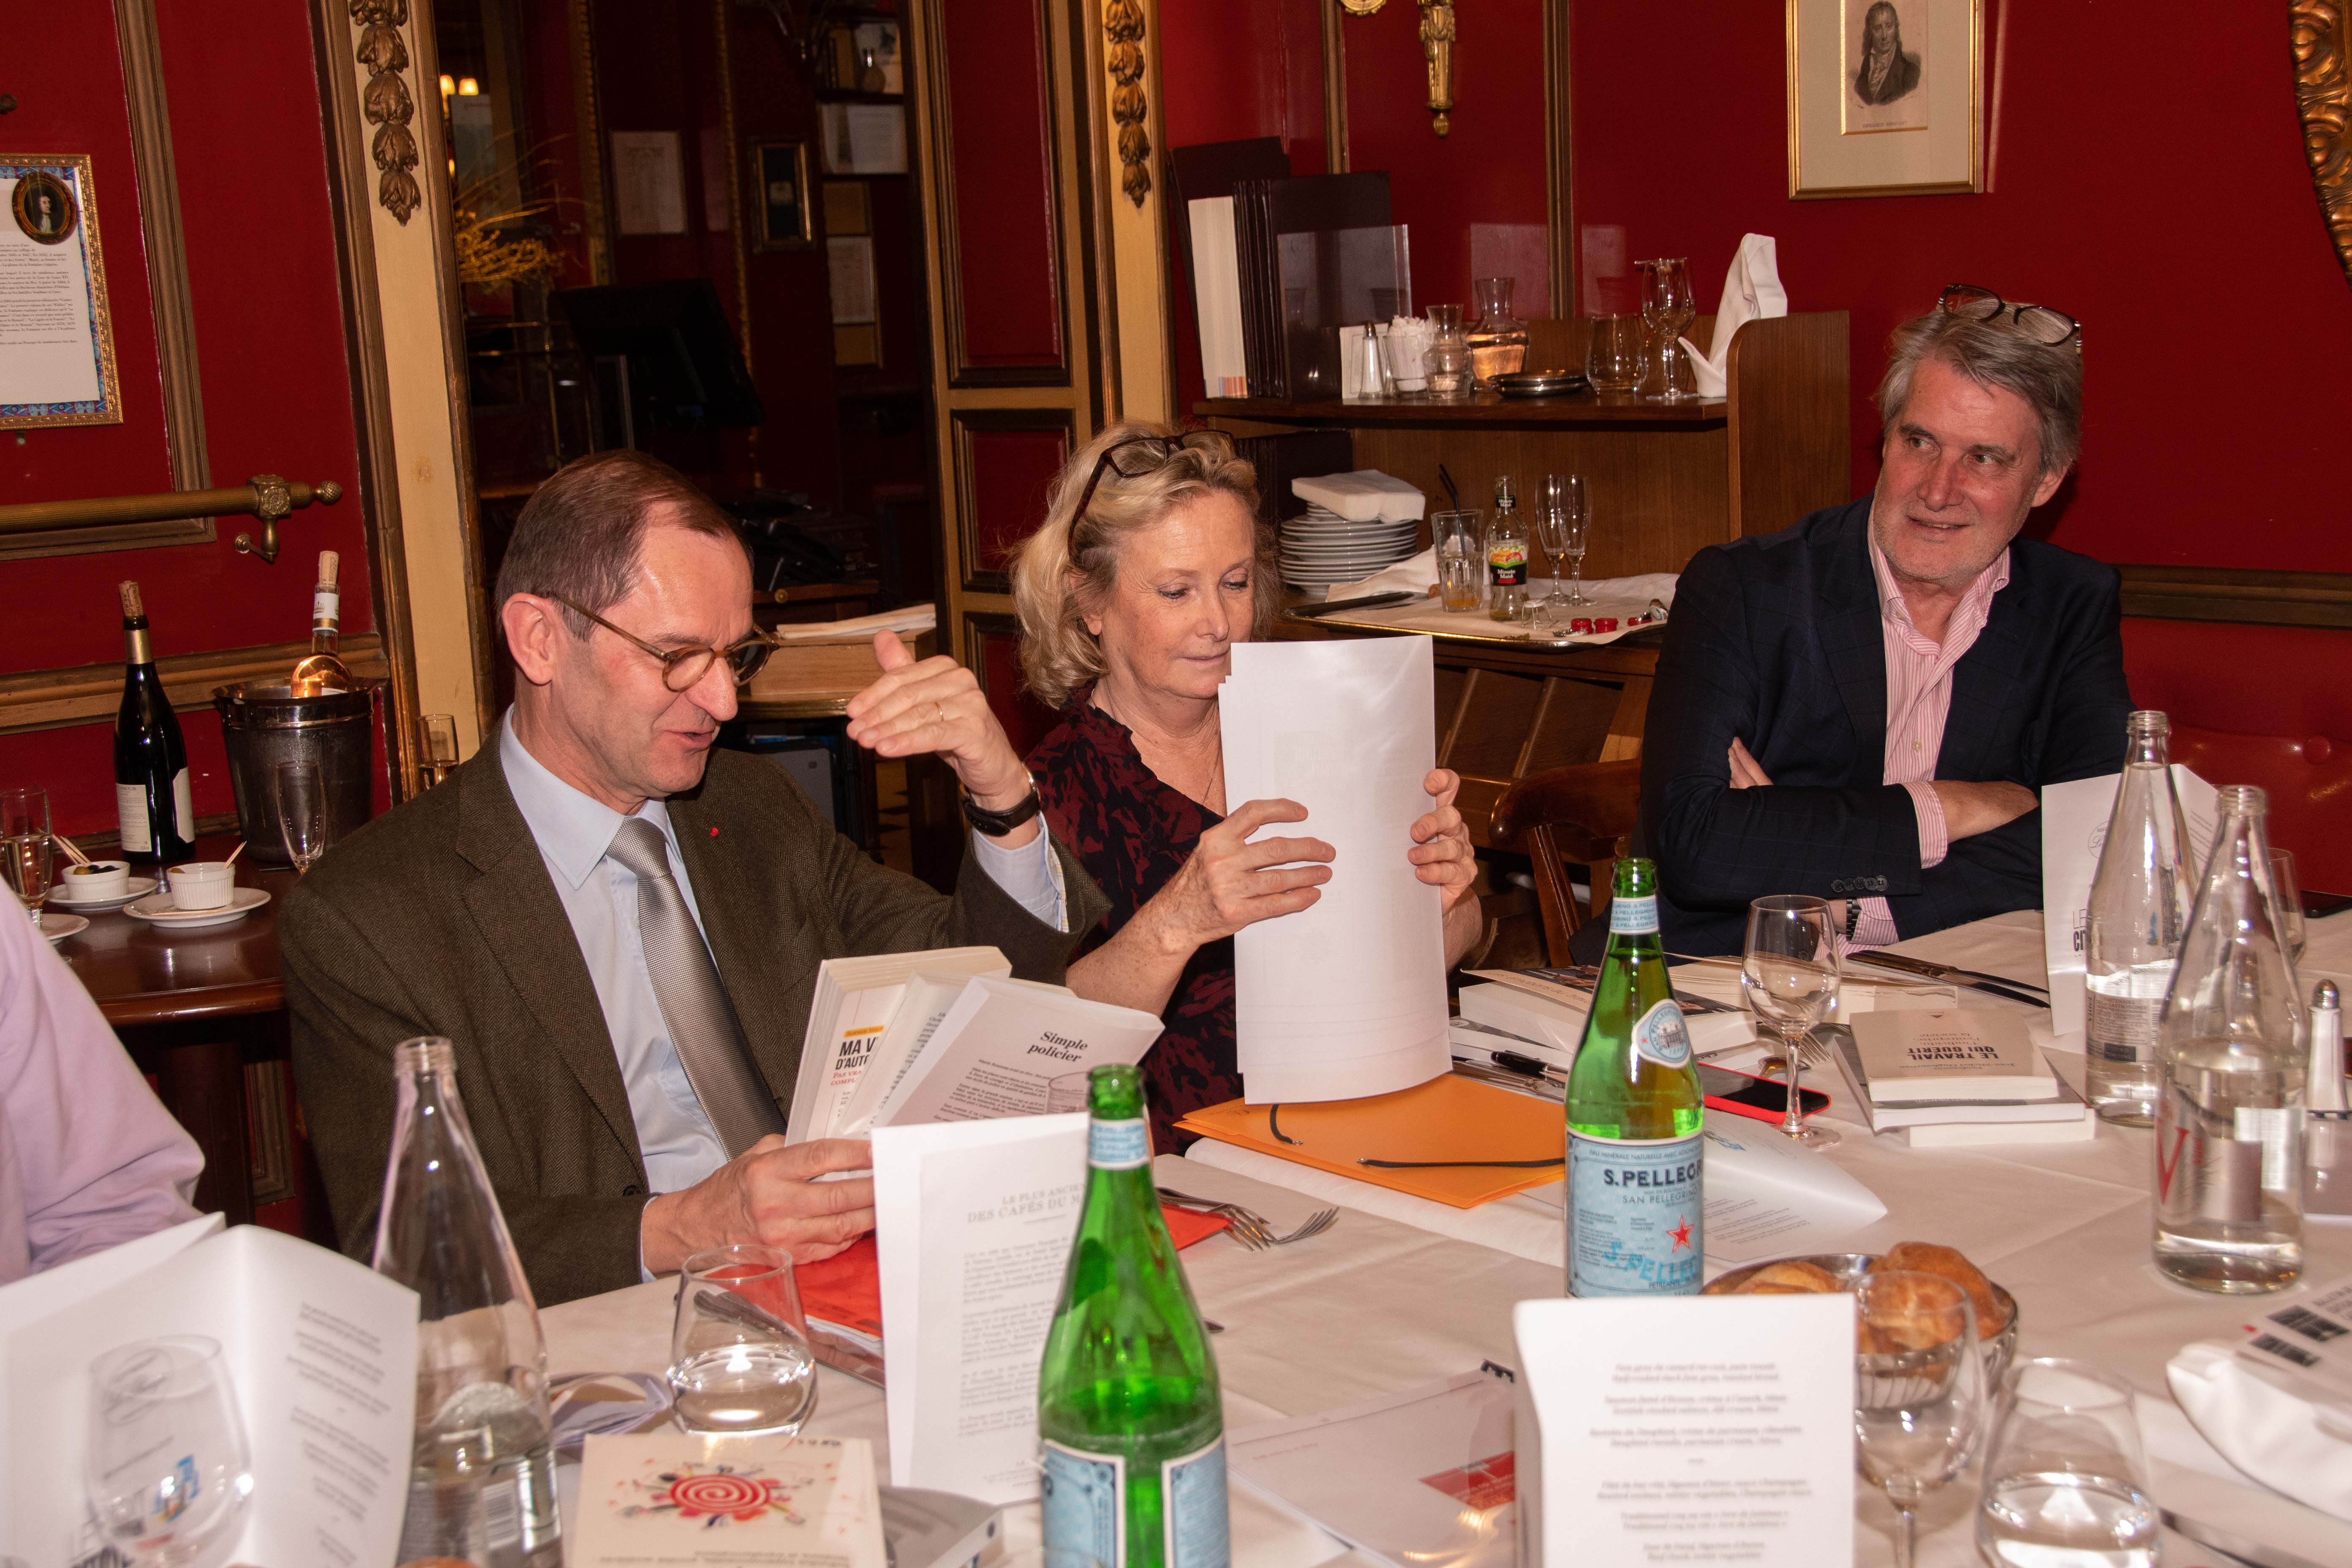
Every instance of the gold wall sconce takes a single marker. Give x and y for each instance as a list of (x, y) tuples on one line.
[(1436, 49)]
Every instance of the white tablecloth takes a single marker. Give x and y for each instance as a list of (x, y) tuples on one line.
[(1394, 1296)]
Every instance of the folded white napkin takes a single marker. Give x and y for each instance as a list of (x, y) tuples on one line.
[(1415, 574), (2287, 1444), (1752, 292), (1364, 495)]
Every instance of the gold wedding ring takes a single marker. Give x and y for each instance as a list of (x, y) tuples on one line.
[(942, 707)]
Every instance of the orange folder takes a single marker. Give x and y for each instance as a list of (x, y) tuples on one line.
[(1448, 1117)]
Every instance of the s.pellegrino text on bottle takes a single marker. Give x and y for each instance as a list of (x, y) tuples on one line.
[(482, 1477), (1130, 1418), (152, 803), (2131, 932), (2232, 1051), (1635, 1113)]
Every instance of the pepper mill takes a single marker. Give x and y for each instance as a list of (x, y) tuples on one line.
[(2327, 1160)]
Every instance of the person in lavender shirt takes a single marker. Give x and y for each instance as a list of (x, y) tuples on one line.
[(88, 1158)]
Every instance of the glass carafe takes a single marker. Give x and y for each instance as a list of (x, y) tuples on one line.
[(1498, 339)]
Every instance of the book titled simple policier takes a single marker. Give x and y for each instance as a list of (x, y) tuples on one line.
[(1950, 1054)]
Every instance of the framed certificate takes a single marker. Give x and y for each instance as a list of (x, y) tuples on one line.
[(57, 336)]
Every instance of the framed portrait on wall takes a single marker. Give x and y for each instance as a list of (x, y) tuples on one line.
[(779, 194), (1885, 96), (57, 335)]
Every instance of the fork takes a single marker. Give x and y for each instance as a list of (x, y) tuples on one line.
[(1247, 1226), (1316, 1224)]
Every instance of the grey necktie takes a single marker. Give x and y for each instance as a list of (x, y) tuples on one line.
[(702, 1026)]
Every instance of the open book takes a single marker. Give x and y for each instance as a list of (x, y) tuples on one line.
[(915, 1039)]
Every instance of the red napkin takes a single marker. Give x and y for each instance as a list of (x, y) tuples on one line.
[(846, 1289)]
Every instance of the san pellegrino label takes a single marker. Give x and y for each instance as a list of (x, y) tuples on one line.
[(1118, 1145), (1635, 1196), (1085, 1501)]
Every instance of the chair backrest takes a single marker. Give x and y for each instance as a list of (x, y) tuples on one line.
[(2309, 783), (1585, 813)]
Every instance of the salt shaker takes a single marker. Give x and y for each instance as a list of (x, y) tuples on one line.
[(2327, 1160)]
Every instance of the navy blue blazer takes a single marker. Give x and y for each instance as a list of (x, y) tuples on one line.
[(1776, 640)]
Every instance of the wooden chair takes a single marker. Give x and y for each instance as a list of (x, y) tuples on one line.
[(1585, 813)]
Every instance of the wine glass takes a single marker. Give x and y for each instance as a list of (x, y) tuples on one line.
[(28, 857), (1561, 523), (168, 1470), (1790, 976), (1668, 309), (739, 1359), (2064, 1480), (2289, 894), (1918, 1390), (302, 812)]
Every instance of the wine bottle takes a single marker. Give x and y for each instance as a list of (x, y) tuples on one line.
[(1129, 1409), (481, 1486), (2131, 935), (1634, 1114), (151, 760), (322, 669)]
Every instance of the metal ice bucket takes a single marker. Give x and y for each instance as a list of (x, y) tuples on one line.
[(267, 725)]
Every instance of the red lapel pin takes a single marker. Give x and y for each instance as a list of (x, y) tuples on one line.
[(714, 833)]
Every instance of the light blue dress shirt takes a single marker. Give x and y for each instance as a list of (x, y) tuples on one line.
[(600, 895)]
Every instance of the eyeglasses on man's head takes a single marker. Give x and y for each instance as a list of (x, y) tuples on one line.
[(2039, 322)]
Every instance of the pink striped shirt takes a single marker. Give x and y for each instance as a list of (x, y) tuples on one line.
[(1918, 700)]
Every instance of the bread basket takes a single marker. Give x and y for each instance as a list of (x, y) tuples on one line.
[(1999, 1349)]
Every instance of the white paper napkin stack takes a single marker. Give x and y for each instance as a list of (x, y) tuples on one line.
[(1364, 495), (1752, 292)]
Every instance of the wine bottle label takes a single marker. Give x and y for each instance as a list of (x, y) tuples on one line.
[(184, 807), (1083, 1497), (1661, 1035), (131, 807), (1118, 1145), (1635, 1216), (1632, 917), (2122, 1029), (326, 607)]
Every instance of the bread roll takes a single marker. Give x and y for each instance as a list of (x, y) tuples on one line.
[(1792, 1278), (1945, 1263)]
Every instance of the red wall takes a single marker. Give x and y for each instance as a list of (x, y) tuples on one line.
[(260, 235)]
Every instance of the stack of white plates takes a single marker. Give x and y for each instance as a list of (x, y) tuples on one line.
[(1321, 548)]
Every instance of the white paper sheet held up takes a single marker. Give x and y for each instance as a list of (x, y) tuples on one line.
[(1346, 998), (2073, 828), (973, 1221)]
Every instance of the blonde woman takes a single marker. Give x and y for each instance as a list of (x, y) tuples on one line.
[(1149, 567)]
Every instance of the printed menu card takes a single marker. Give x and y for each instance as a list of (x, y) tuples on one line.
[(1685, 1429)]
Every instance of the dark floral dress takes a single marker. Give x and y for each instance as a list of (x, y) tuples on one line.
[(1133, 833)]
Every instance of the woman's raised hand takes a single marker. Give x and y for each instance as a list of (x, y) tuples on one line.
[(1440, 852), (1229, 882)]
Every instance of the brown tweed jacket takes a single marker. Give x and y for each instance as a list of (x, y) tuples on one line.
[(440, 919)]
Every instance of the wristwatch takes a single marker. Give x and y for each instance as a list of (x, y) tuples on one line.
[(1853, 917), (997, 823)]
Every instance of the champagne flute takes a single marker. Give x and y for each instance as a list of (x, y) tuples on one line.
[(2064, 1480), (1918, 1390), (168, 1469), (1668, 308), (27, 855), (1790, 977), (1560, 525), (302, 813)]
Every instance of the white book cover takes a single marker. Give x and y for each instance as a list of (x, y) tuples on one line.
[(922, 1007), (972, 1225), (1011, 1047), (1217, 285), (673, 1500), (1950, 1053), (1347, 998), (1414, 1479), (2074, 829), (854, 1000), (2065, 1105), (321, 1355)]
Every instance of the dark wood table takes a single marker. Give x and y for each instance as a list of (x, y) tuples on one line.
[(145, 974)]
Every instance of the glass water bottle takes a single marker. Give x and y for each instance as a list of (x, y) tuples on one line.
[(2231, 1052), (2139, 907), (482, 1477), (1129, 1407)]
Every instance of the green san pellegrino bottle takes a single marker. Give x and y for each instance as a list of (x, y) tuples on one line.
[(1130, 1414), (1635, 1113)]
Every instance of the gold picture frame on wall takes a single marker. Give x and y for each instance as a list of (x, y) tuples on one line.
[(1886, 98), (59, 370), (783, 209)]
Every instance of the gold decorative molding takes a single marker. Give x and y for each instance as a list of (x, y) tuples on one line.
[(1437, 49), (89, 693), (1123, 25), (2241, 594), (2322, 33), (385, 101)]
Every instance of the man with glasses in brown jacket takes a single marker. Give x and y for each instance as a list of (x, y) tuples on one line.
[(619, 926)]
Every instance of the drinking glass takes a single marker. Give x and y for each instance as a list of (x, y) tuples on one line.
[(1560, 524), (2064, 1480), (302, 812), (167, 1471), (2289, 894), (1461, 559), (1668, 308), (1790, 977), (1613, 355), (740, 1361), (28, 857), (1918, 1390)]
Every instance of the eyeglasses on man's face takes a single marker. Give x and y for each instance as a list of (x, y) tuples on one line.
[(2039, 322), (1139, 455), (682, 667)]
